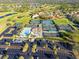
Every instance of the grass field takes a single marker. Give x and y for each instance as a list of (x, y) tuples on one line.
[(62, 21), (3, 13), (15, 18)]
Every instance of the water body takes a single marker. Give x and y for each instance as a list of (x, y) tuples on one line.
[(7, 15)]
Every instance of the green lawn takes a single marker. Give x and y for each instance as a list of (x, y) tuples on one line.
[(62, 21), (13, 19), (4, 13)]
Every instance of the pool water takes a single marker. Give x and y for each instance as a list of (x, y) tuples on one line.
[(26, 31)]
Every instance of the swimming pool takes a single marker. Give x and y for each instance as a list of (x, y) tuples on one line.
[(26, 31)]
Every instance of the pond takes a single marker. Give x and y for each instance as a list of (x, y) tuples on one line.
[(7, 15)]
